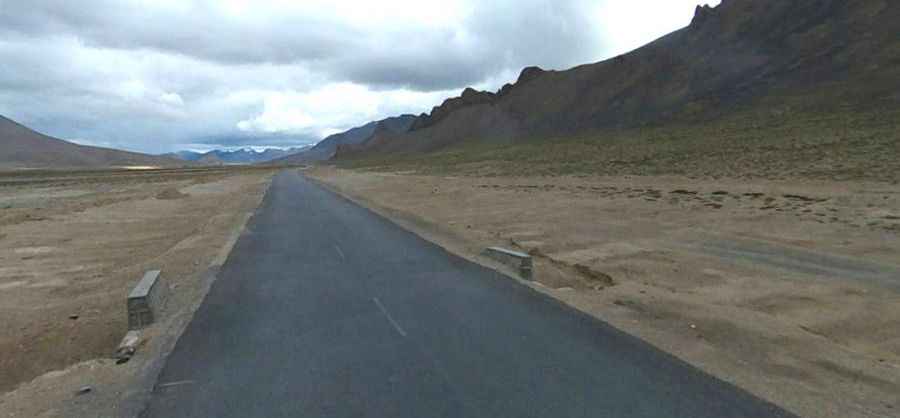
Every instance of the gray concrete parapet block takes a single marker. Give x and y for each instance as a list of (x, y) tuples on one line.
[(146, 301), (519, 261)]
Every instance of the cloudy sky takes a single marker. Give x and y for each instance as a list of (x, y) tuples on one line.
[(165, 75)]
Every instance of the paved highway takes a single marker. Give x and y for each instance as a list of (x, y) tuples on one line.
[(325, 309)]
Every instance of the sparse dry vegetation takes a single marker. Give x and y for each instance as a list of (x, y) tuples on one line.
[(775, 144)]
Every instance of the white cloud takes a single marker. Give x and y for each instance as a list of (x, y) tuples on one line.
[(331, 108), (172, 99)]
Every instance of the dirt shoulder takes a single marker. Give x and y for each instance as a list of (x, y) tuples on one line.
[(789, 289), (71, 249)]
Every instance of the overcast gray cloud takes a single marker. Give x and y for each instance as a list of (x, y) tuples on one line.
[(462, 47), (158, 75)]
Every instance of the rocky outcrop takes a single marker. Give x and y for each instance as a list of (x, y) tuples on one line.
[(701, 15), (471, 97), (528, 74)]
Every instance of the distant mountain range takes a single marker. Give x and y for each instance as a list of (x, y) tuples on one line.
[(238, 156), (798, 55), (21, 147)]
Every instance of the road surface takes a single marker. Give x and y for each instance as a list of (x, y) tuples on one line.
[(325, 309)]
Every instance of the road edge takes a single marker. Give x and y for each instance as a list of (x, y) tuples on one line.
[(135, 402), (414, 224)]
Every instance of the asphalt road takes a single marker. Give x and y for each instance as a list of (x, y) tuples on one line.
[(325, 309)]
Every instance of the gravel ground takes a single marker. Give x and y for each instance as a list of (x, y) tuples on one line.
[(71, 249)]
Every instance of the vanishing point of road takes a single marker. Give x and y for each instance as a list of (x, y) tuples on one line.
[(325, 309)]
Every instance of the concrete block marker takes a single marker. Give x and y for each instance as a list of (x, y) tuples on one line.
[(146, 300), (519, 261)]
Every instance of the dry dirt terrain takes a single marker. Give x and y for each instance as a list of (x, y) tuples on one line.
[(73, 244), (787, 288)]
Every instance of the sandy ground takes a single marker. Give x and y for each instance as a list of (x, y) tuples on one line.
[(71, 248), (789, 289)]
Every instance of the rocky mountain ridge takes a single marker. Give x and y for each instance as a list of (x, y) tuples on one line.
[(798, 55)]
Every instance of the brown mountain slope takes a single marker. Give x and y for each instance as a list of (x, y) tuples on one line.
[(350, 139), (791, 56), (21, 147)]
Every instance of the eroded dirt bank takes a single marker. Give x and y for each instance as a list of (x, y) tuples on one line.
[(789, 289)]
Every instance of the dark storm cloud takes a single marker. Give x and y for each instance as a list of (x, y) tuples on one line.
[(197, 29), (499, 35), (504, 36)]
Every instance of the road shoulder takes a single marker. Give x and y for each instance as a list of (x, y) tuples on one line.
[(208, 216)]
